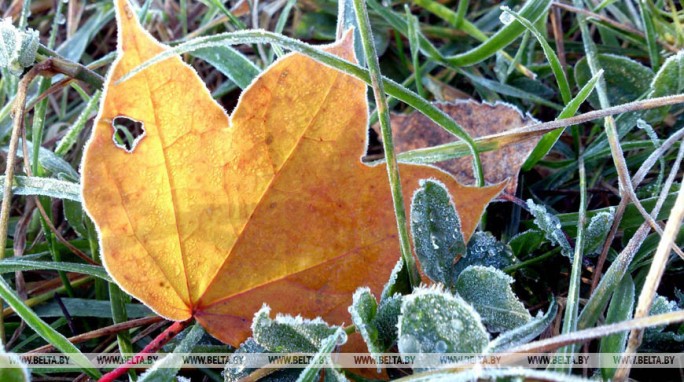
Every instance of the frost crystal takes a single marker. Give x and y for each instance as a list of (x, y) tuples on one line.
[(433, 320), (485, 250), (17, 48), (436, 231), (597, 230), (287, 334), (551, 226), (505, 17), (489, 291)]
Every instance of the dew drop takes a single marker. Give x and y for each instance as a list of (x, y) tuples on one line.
[(456, 325), (342, 339), (506, 18), (408, 344), (441, 347)]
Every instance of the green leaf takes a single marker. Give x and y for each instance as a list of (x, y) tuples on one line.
[(524, 334), (436, 231), (526, 242), (237, 373), (670, 78), (551, 226), (376, 324), (619, 310), (626, 79), (435, 321), (398, 282), (597, 231), (287, 334), (363, 310), (387, 319), (53, 188), (165, 369), (661, 305), (12, 369), (489, 291), (322, 357), (49, 160), (18, 48), (668, 81), (73, 213), (483, 249), (231, 63)]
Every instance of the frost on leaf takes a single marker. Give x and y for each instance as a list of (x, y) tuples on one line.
[(287, 334), (483, 249), (236, 373), (17, 48), (398, 282), (12, 368), (363, 311), (525, 333), (436, 231), (661, 305), (435, 321), (551, 226), (489, 291), (597, 231), (657, 338), (376, 324), (668, 81)]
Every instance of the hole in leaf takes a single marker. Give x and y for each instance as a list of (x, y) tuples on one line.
[(127, 133)]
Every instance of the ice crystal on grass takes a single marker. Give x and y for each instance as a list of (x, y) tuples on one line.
[(489, 291), (551, 226)]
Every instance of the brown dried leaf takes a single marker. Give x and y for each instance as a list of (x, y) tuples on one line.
[(415, 131)]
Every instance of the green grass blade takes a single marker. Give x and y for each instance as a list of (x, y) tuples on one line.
[(549, 139), (46, 331), (386, 130), (51, 187), (14, 264), (551, 57)]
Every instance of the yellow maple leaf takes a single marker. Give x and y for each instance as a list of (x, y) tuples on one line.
[(210, 217)]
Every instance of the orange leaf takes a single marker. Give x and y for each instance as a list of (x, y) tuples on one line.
[(211, 216)]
